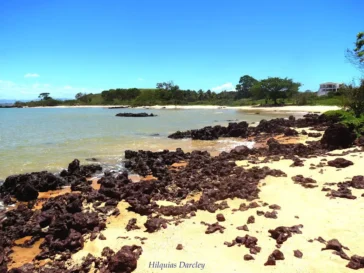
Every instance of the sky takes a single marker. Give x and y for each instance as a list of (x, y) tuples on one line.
[(64, 46)]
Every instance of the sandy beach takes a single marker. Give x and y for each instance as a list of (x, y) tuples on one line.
[(319, 215), (284, 109), (182, 244)]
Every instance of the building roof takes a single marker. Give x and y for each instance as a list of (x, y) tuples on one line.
[(330, 83)]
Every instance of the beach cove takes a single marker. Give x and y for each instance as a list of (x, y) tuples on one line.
[(231, 230)]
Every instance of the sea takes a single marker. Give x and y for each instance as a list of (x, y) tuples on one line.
[(35, 139)]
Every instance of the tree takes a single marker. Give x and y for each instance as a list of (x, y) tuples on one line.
[(245, 84), (354, 97), (167, 86), (305, 98), (275, 88), (44, 96), (356, 56), (80, 95)]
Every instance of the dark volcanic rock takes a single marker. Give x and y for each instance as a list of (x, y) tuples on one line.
[(125, 260), (297, 254), (274, 206), (25, 187), (154, 224), (340, 163), (251, 220), (179, 247), (356, 262), (342, 192), (357, 182), (132, 225), (220, 217), (272, 214), (305, 182), (211, 228), (281, 234), (314, 134), (290, 132), (275, 256), (75, 170), (360, 141), (244, 227), (248, 257), (338, 136), (135, 115)]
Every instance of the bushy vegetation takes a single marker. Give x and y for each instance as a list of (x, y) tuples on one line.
[(348, 118)]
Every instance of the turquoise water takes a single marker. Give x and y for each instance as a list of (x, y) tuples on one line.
[(34, 139)]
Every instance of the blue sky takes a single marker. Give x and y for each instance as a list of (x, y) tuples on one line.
[(64, 47)]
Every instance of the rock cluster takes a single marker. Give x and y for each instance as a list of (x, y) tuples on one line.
[(135, 115)]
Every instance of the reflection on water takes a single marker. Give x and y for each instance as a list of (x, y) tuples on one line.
[(48, 139)]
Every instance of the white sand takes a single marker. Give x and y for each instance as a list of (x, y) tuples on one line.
[(284, 109), (330, 218)]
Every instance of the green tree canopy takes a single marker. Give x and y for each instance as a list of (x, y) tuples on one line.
[(354, 96), (167, 86), (44, 96), (356, 56), (275, 88), (245, 84)]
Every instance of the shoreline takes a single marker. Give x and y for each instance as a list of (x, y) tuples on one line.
[(282, 201), (282, 109)]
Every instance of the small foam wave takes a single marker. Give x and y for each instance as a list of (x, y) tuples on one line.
[(231, 144)]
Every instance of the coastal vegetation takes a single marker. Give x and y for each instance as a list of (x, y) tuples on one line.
[(249, 91)]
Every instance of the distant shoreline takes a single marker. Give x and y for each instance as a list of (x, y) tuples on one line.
[(281, 109)]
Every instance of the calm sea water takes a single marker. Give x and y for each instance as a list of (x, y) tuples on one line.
[(34, 139)]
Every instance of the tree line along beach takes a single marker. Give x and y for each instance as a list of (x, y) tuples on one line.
[(292, 201)]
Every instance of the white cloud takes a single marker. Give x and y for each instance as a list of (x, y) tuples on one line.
[(140, 79), (31, 75), (224, 87)]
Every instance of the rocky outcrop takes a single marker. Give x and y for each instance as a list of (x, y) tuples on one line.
[(340, 163), (25, 187), (135, 115), (211, 133), (125, 260), (338, 136)]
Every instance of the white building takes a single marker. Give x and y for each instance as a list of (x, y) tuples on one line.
[(327, 87)]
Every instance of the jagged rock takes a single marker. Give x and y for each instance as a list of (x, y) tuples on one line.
[(132, 225), (25, 187), (297, 254), (356, 262), (290, 132), (251, 220), (281, 234), (248, 257), (338, 136), (125, 260), (135, 115), (211, 228), (220, 217), (305, 182), (275, 256), (314, 134), (340, 163), (154, 224)]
